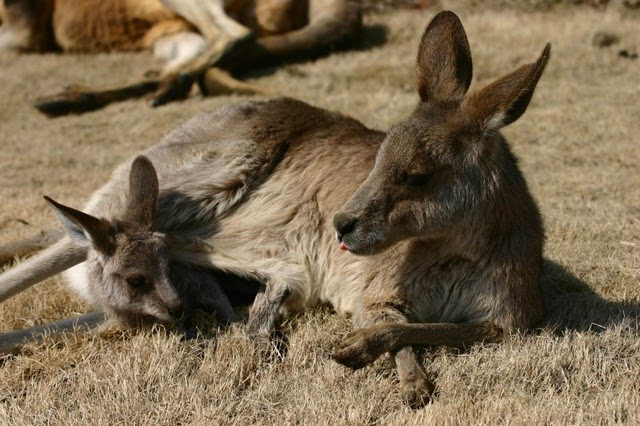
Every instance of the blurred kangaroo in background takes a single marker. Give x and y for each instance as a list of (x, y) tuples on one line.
[(439, 241), (195, 39)]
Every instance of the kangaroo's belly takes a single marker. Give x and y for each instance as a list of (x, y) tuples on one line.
[(283, 233)]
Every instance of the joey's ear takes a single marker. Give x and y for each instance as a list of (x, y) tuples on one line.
[(444, 60), (506, 99), (84, 229), (143, 192)]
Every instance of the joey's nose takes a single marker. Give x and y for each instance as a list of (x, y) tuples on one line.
[(344, 224)]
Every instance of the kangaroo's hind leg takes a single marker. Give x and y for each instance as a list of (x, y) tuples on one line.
[(286, 287), (264, 310)]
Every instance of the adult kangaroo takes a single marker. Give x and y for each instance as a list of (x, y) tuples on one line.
[(439, 240)]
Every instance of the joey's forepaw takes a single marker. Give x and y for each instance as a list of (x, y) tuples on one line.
[(357, 349)]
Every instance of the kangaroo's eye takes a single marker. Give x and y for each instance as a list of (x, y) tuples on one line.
[(417, 179), (137, 281)]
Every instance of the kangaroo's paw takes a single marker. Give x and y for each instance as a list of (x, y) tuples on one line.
[(418, 390), (494, 334), (359, 348)]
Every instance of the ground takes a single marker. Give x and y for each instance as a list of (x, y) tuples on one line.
[(578, 146)]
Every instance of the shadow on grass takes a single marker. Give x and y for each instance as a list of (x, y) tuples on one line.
[(572, 305)]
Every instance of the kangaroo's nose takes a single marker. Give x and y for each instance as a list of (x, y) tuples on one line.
[(344, 224)]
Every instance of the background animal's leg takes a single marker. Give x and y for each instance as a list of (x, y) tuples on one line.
[(221, 33), (264, 310), (332, 24), (176, 84), (178, 79), (27, 25), (76, 99), (235, 50), (25, 247), (209, 17), (12, 342), (335, 25), (177, 50), (416, 387), (278, 16)]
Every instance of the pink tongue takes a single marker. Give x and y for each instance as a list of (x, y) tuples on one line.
[(343, 246)]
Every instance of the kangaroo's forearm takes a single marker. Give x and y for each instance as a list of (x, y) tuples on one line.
[(440, 334)]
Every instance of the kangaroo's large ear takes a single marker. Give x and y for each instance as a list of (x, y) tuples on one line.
[(143, 192), (84, 229), (506, 99), (444, 60)]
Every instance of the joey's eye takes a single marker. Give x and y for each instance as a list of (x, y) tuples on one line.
[(416, 179), (137, 281)]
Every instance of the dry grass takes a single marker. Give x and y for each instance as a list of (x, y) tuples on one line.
[(579, 149)]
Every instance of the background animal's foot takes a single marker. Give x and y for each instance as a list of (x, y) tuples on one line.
[(173, 88), (417, 391), (359, 348), (74, 99), (215, 81)]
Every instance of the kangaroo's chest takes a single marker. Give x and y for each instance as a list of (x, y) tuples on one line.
[(429, 286), (451, 290)]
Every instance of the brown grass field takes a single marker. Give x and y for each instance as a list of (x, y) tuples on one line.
[(579, 148)]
